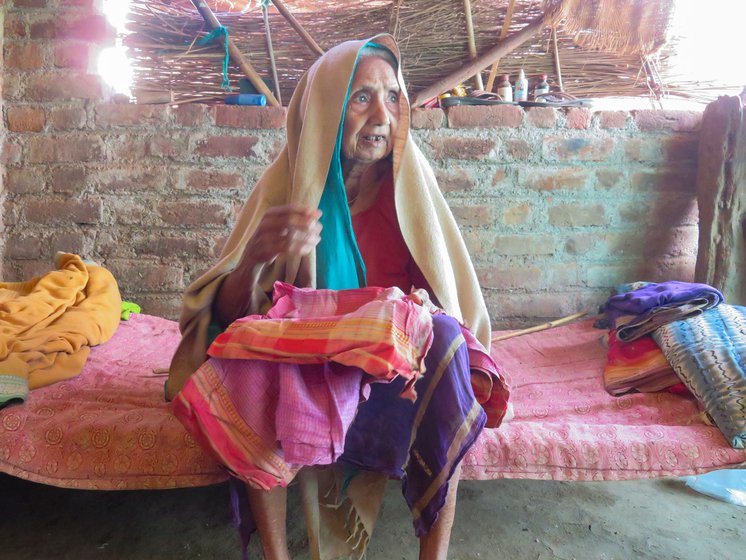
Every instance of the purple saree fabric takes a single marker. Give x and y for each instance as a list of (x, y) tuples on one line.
[(420, 442), (655, 304)]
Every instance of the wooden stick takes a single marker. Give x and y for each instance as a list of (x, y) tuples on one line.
[(313, 45), (503, 33), (235, 54), (542, 327), (511, 43), (472, 45), (265, 13), (557, 59)]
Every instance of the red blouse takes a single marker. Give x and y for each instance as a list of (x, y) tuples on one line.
[(382, 246)]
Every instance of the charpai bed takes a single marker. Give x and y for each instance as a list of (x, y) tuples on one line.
[(110, 428)]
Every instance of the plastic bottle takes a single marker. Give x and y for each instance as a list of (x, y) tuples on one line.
[(541, 87), (246, 99), (521, 87), (504, 89)]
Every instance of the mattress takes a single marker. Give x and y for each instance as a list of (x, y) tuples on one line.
[(111, 429)]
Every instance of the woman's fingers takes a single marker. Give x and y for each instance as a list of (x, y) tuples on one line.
[(285, 229)]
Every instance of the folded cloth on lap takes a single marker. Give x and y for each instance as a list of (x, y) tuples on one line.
[(708, 353)]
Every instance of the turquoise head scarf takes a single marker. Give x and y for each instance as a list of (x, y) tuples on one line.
[(339, 264)]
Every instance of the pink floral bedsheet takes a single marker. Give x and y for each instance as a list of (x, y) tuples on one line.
[(567, 427), (110, 429)]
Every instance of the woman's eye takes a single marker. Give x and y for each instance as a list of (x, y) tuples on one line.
[(361, 98), (393, 97)]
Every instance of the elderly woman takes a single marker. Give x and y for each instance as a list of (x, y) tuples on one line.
[(350, 202)]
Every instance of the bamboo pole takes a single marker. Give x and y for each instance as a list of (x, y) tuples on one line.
[(557, 67), (236, 54), (472, 44), (265, 14), (542, 327), (313, 45), (503, 33), (507, 46)]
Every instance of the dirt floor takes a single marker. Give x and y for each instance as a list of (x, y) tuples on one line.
[(507, 519)]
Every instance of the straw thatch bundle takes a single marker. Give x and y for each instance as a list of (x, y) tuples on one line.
[(431, 33)]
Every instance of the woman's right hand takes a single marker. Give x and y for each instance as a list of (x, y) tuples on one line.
[(289, 230)]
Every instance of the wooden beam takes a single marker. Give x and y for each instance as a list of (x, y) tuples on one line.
[(557, 67), (507, 46), (271, 50), (313, 45), (472, 44), (235, 54)]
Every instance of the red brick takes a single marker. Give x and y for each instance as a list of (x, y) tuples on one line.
[(608, 178), (542, 117), (577, 215), (459, 147), (131, 180), (73, 55), (161, 245), (574, 178), (55, 86), (454, 179), (526, 277), (214, 179), (192, 114), (226, 146), (233, 116), (23, 180), (671, 179), (523, 245), (519, 149), (589, 148), (26, 119), (528, 310), (516, 215), (24, 56), (472, 215), (24, 247), (30, 3), (64, 211), (578, 118), (130, 114), (559, 274), (11, 153), (48, 149), (71, 180), (135, 275), (612, 119), (31, 268), (427, 118), (15, 27), (487, 116), (91, 27), (580, 244), (196, 213), (12, 87), (168, 146), (678, 121), (71, 242), (66, 118), (499, 177), (43, 29), (643, 150)]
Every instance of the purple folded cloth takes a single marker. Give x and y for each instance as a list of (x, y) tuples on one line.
[(643, 302)]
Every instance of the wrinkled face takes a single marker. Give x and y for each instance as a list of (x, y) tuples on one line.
[(372, 113)]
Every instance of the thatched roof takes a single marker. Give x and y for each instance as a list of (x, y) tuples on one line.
[(606, 47)]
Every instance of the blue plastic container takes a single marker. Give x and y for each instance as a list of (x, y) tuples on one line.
[(246, 99)]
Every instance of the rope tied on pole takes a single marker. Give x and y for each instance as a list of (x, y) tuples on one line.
[(213, 36)]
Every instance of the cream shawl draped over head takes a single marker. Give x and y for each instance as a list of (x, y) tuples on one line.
[(298, 176)]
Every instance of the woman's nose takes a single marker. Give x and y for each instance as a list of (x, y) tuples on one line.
[(379, 113)]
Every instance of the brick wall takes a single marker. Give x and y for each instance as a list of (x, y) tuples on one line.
[(556, 206), (2, 136)]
